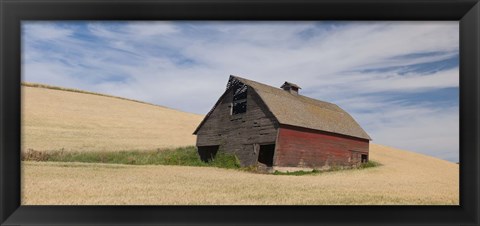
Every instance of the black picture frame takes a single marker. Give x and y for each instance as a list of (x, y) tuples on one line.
[(12, 12)]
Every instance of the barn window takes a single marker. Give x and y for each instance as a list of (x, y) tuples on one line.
[(239, 107), (239, 103), (364, 158)]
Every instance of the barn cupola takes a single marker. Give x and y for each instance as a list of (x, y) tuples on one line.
[(290, 87)]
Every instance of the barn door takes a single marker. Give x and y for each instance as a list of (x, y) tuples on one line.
[(364, 158), (265, 155), (207, 153)]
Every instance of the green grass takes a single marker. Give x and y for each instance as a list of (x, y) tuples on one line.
[(368, 164), (184, 156), (296, 173)]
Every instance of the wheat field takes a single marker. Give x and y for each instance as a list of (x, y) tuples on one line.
[(405, 178), (55, 119)]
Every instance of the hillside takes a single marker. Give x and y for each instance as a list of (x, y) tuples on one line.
[(406, 178), (54, 119)]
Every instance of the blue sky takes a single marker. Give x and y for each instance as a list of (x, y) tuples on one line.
[(399, 80)]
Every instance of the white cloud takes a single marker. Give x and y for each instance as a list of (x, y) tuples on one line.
[(429, 131), (45, 31), (152, 28), (373, 82)]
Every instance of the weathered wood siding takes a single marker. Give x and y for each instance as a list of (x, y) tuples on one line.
[(239, 133), (310, 148)]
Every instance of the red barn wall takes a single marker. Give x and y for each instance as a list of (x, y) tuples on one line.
[(310, 148)]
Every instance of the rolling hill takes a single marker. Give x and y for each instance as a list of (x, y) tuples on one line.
[(55, 118)]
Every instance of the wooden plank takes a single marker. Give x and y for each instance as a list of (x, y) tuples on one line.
[(238, 133)]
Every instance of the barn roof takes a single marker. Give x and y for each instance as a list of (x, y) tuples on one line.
[(302, 111)]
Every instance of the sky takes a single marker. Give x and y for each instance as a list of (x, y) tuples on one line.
[(399, 80)]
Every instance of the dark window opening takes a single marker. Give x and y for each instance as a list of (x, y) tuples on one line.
[(207, 153), (240, 92), (239, 103), (265, 155), (364, 158), (239, 107)]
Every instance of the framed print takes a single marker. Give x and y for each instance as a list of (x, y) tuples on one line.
[(239, 112)]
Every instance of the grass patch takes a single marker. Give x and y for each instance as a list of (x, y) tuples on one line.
[(368, 164), (296, 173), (184, 156)]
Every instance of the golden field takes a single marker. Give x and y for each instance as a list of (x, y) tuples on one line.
[(54, 119), (406, 178)]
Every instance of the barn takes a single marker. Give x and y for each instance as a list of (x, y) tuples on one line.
[(279, 127)]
